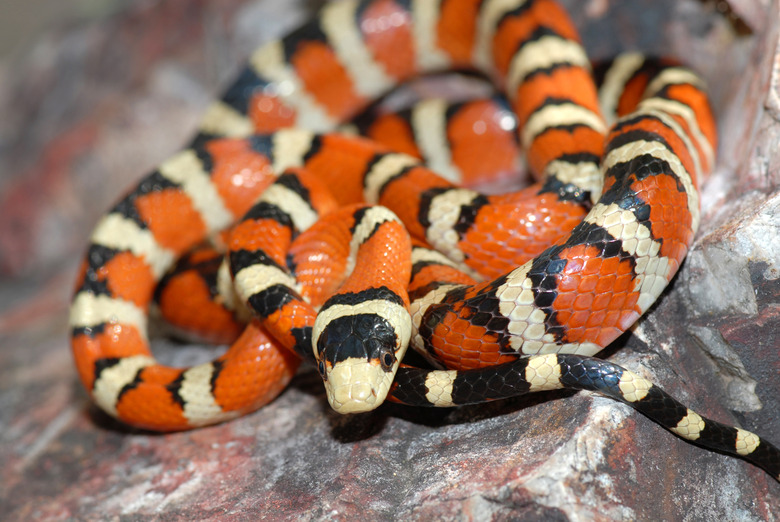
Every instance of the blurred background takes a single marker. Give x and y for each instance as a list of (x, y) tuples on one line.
[(22, 21)]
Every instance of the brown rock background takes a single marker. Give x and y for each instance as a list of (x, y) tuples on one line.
[(92, 107)]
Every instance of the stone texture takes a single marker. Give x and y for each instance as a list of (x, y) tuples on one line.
[(90, 110)]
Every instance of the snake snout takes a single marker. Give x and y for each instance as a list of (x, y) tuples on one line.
[(354, 385)]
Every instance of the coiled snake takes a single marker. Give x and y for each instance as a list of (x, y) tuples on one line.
[(467, 279)]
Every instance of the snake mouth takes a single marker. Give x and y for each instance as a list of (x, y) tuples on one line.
[(357, 385)]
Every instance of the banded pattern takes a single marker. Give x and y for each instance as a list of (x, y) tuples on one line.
[(197, 303), (579, 295), (497, 289), (446, 388), (258, 247), (471, 143)]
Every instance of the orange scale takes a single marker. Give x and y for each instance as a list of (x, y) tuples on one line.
[(515, 29), (501, 235), (584, 302), (472, 291), (597, 319), (340, 164), (186, 303), (632, 94), (608, 182), (612, 317), (597, 265), (569, 282), (173, 220), (151, 406), (269, 113), (254, 371), (446, 350), (116, 340), (481, 148), (474, 332), (532, 94), (609, 302), (573, 321), (456, 29), (403, 197), (612, 266), (581, 334), (565, 300), (457, 326), (581, 273), (700, 150), (280, 328), (466, 359), (383, 260), (603, 286), (203, 254), (320, 265), (129, 278), (296, 315), (394, 132), (494, 358), (674, 209), (387, 32), (555, 143), (670, 213), (697, 100), (623, 283), (600, 336), (325, 78), (603, 336), (159, 374), (588, 283), (624, 267), (266, 234), (239, 173), (447, 362)]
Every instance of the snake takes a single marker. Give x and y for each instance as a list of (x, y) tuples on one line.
[(421, 261)]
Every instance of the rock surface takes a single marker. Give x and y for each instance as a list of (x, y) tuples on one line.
[(91, 109)]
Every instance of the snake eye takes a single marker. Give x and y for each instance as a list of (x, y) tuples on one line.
[(387, 360), (321, 368)]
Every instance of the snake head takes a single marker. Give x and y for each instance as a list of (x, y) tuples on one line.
[(358, 355)]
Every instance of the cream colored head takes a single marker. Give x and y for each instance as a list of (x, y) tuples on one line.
[(359, 353), (355, 385)]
